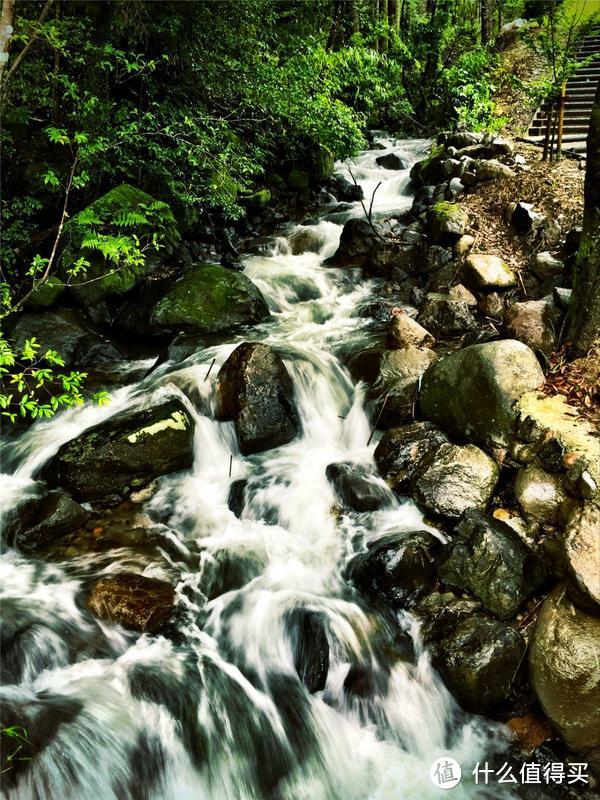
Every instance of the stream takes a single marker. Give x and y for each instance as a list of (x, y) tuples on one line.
[(216, 711)]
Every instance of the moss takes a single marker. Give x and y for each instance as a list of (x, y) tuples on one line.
[(445, 210), (103, 279), (298, 179), (209, 298), (258, 199), (46, 294)]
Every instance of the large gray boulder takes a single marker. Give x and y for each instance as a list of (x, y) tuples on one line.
[(125, 452), (471, 393), (208, 298), (453, 479), (488, 559), (564, 670), (256, 392), (398, 378), (534, 322)]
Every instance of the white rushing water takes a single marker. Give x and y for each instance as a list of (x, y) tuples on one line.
[(217, 712)]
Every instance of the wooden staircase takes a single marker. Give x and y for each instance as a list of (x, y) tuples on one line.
[(580, 93)]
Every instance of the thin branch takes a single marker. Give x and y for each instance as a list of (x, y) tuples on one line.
[(57, 239)]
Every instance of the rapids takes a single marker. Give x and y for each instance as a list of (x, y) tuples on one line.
[(217, 711)]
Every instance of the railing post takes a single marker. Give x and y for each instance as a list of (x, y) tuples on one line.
[(561, 119)]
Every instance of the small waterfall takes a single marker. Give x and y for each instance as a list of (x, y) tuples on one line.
[(217, 711)]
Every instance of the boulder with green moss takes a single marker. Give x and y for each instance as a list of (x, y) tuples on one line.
[(46, 294), (448, 221), (430, 170), (208, 299), (124, 211)]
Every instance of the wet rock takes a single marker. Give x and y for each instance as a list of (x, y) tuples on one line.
[(208, 299), (439, 612), (298, 180), (524, 219), (125, 452), (398, 379), (471, 393), (455, 189), (397, 569), (429, 171), (491, 305), (535, 323), (45, 519), (444, 316), (355, 489), (401, 451), (310, 647), (540, 494), (391, 161), (230, 568), (356, 241), (477, 660), (461, 139), (236, 499), (403, 331), (453, 479), (392, 262), (545, 265), (448, 221), (433, 258), (492, 169), (344, 190), (306, 240), (564, 670), (133, 601), (256, 392), (488, 558), (485, 272), (582, 552)]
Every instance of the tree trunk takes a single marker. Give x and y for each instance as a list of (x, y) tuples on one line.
[(584, 311), (485, 21), (394, 14), (384, 5), (355, 17), (6, 31)]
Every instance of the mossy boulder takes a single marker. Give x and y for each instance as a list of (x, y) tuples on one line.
[(104, 216), (208, 299), (125, 452), (430, 170), (448, 221), (46, 294), (257, 200)]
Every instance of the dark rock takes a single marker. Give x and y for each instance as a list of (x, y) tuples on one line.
[(477, 660), (433, 258), (355, 489), (125, 452), (452, 479), (356, 242), (67, 332), (430, 170), (444, 316), (524, 219), (394, 262), (344, 190), (230, 569), (401, 451), (471, 393), (564, 671), (490, 147), (256, 392), (488, 558), (45, 519), (491, 305), (306, 239), (439, 613), (391, 161), (572, 241), (397, 568), (236, 499), (134, 601), (310, 647), (208, 299), (462, 139)]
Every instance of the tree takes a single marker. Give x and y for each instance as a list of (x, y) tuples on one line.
[(585, 302), (485, 20)]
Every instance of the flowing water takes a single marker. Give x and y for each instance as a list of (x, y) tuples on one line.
[(217, 710)]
